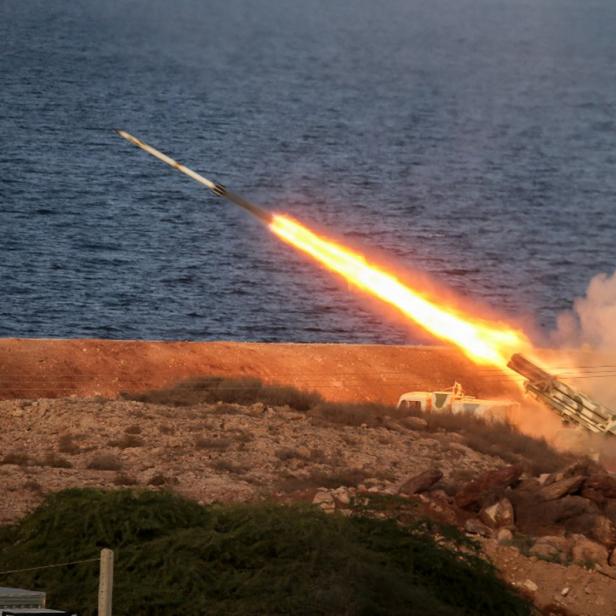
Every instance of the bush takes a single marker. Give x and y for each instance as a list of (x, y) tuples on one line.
[(55, 461), (121, 479), (501, 439), (105, 462), (213, 443), (17, 458), (497, 438), (321, 479), (226, 466), (127, 441), (354, 414), (241, 390), (66, 444), (174, 557)]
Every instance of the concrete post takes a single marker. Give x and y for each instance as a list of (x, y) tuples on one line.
[(105, 584)]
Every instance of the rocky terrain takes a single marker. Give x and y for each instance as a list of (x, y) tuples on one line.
[(546, 519), (551, 534)]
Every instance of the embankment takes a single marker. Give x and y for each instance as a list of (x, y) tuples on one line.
[(44, 368)]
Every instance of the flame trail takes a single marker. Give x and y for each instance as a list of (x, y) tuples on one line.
[(482, 342)]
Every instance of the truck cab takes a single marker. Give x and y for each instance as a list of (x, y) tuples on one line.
[(453, 400)]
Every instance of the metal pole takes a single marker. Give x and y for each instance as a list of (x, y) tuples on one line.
[(105, 584)]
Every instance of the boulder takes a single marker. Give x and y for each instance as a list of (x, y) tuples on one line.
[(504, 536), (530, 586), (438, 505), (595, 526), (529, 484), (342, 496), (551, 547), (536, 517), (593, 495), (602, 483), (420, 483), (609, 510), (561, 488), (498, 515), (474, 526), (581, 467), (587, 552), (324, 500), (487, 487)]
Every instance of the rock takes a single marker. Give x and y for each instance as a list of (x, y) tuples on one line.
[(594, 526), (342, 496), (537, 517), (561, 488), (593, 495), (462, 449), (499, 514), (551, 547), (324, 500), (587, 552), (609, 510), (414, 423), (256, 409), (530, 586), (612, 559), (477, 527), (582, 467), (504, 536), (545, 479), (439, 506), (602, 483), (565, 591), (529, 484), (486, 487), (420, 483)]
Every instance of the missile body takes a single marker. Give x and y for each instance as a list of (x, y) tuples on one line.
[(218, 189)]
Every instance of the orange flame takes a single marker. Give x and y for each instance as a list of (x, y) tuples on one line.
[(481, 341)]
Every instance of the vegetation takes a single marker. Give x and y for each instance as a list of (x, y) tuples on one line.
[(105, 462), (497, 438), (174, 556), (241, 390)]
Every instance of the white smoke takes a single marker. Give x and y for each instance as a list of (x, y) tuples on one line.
[(589, 332), (592, 322)]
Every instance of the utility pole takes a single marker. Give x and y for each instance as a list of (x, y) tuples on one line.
[(105, 584)]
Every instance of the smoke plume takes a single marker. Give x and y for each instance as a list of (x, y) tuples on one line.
[(589, 330)]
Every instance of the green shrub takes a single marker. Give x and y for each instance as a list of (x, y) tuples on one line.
[(174, 557), (127, 441), (241, 390), (105, 462)]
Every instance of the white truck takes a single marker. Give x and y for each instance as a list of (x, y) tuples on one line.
[(454, 400)]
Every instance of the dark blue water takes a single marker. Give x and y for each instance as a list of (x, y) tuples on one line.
[(474, 140)]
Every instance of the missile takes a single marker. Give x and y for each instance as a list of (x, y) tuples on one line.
[(218, 189)]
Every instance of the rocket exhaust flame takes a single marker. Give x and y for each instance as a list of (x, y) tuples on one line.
[(483, 342)]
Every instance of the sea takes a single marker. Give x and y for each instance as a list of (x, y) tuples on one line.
[(467, 145)]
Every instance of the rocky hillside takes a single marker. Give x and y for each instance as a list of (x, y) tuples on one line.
[(546, 520)]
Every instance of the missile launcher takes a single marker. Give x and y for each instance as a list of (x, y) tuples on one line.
[(572, 405)]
